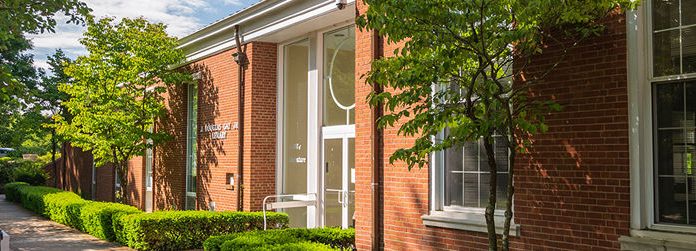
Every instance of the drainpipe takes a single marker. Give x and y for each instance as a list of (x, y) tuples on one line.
[(241, 59), (377, 153)]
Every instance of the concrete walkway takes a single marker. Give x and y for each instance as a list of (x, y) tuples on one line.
[(29, 231)]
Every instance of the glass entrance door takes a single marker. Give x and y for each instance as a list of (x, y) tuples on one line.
[(339, 180), (338, 126)]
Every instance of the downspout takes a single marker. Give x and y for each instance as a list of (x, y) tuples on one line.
[(241, 59), (65, 165), (377, 153)]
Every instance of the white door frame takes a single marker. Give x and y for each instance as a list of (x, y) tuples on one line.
[(316, 133), (345, 133)]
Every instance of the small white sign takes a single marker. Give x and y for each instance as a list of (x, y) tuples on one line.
[(219, 131), (352, 175)]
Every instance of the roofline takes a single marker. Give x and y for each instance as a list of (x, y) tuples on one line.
[(256, 22), (230, 21)]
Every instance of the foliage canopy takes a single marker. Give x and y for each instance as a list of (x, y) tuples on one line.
[(116, 90)]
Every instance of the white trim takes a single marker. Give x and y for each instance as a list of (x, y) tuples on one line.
[(467, 221), (264, 22), (339, 131), (641, 138), (314, 146)]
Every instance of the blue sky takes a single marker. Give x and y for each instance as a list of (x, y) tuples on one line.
[(181, 16)]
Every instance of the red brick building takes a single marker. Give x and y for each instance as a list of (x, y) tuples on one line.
[(614, 171)]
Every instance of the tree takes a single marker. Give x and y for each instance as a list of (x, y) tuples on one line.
[(471, 51), (50, 99), (115, 94), (19, 17)]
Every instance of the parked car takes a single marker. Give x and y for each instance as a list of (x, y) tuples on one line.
[(5, 151)]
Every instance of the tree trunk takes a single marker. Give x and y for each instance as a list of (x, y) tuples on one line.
[(492, 198), (122, 172), (65, 165), (510, 193), (53, 157)]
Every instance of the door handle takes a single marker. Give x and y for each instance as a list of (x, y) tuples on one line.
[(326, 167)]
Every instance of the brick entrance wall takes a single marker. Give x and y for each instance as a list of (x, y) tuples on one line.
[(572, 191)]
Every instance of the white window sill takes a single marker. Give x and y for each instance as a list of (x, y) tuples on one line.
[(466, 221), (656, 240)]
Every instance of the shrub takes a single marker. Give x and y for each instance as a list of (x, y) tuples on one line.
[(12, 191), (180, 230), (30, 172), (293, 246), (331, 237), (64, 208), (117, 220), (32, 197), (97, 220), (6, 168)]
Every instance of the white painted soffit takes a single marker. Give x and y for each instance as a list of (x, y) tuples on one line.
[(268, 21)]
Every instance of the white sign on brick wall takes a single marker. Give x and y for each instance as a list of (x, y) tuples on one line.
[(219, 131)]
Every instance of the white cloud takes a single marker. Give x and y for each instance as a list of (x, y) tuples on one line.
[(233, 2), (181, 17)]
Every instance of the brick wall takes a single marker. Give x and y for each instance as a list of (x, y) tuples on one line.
[(77, 167), (260, 125), (572, 190), (217, 158), (169, 169), (136, 182)]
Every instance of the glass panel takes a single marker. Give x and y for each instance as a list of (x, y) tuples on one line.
[(482, 157), (501, 191), (670, 108), (501, 154), (471, 190), (689, 7), (666, 53), (148, 167), (296, 66), (190, 202), (339, 77), (665, 14), (333, 181), (453, 176), (671, 200), (689, 48), (692, 199), (351, 182), (192, 145), (471, 156), (670, 152)]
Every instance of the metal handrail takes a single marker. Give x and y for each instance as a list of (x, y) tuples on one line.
[(276, 197)]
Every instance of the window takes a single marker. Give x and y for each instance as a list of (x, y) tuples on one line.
[(294, 122), (191, 146), (467, 175), (460, 184), (674, 111)]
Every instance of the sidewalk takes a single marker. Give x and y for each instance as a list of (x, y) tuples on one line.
[(31, 232)]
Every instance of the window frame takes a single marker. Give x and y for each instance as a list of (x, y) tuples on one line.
[(191, 151), (642, 148), (457, 217)]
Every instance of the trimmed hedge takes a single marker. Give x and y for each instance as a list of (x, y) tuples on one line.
[(329, 237), (179, 230), (64, 208), (292, 246), (32, 197), (12, 191), (97, 218), (167, 230)]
